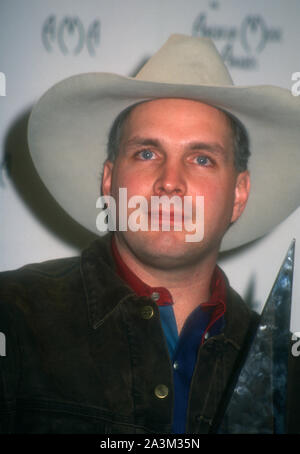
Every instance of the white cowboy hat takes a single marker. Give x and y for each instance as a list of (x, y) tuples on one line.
[(69, 127)]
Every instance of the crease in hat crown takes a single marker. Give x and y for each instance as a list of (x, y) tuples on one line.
[(186, 60)]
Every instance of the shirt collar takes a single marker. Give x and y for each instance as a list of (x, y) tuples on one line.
[(216, 303), (159, 294)]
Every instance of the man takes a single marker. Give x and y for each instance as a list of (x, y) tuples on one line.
[(142, 333), (178, 147)]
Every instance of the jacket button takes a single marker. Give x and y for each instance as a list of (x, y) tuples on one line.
[(161, 391), (176, 365), (147, 312)]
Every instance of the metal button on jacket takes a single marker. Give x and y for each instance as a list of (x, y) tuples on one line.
[(147, 312), (161, 391)]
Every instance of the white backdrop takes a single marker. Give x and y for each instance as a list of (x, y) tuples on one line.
[(44, 41)]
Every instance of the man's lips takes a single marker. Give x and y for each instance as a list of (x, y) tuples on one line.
[(166, 215)]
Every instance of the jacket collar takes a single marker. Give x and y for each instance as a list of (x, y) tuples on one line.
[(240, 321), (105, 290)]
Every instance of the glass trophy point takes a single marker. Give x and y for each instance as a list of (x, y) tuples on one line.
[(258, 400)]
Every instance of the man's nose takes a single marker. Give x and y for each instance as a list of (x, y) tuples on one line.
[(170, 180)]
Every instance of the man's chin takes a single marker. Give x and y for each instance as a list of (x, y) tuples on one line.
[(164, 250)]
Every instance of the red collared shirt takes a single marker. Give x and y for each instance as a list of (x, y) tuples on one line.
[(216, 304)]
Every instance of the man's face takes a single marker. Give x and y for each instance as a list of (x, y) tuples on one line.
[(184, 148)]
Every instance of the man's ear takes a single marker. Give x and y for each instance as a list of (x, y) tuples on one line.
[(107, 178), (242, 190)]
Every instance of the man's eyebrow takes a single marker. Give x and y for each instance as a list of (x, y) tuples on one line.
[(211, 147), (138, 140)]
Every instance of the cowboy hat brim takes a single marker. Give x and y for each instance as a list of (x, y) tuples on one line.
[(69, 127)]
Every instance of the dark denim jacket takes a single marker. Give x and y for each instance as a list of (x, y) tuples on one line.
[(84, 354)]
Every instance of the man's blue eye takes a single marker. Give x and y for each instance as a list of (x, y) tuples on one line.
[(146, 154), (202, 160)]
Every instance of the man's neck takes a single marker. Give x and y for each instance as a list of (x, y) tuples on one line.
[(189, 286)]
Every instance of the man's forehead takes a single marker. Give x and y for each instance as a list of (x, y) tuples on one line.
[(177, 112)]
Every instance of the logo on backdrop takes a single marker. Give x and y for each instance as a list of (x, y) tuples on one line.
[(242, 43), (70, 36)]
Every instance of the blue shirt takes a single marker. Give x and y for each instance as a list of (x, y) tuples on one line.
[(183, 352)]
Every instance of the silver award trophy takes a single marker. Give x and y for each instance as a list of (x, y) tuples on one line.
[(257, 403)]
